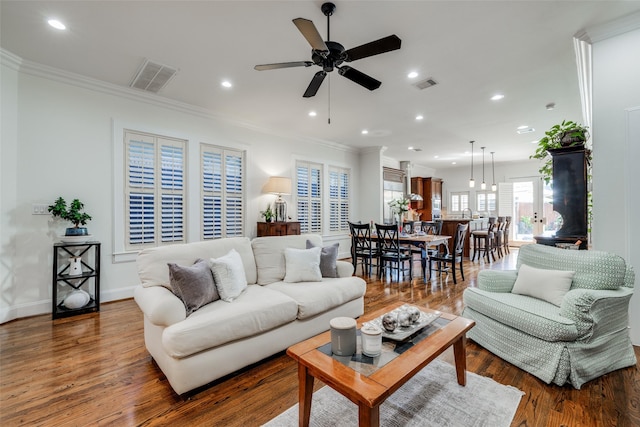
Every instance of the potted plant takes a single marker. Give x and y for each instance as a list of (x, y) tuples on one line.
[(72, 213), (565, 134), (267, 214)]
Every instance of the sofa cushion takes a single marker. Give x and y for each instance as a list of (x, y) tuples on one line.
[(152, 262), (302, 265), (317, 297), (328, 259), (269, 254), (547, 285), (193, 284), (594, 269), (256, 310), (228, 274), (530, 315)]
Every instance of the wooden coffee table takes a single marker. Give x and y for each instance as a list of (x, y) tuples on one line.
[(369, 389)]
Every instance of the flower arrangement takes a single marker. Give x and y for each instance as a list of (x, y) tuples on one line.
[(399, 206)]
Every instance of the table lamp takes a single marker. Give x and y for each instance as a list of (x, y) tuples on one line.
[(279, 185)]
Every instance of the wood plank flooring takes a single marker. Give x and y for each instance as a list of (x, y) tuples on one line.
[(93, 369)]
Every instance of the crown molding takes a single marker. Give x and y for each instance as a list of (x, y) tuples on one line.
[(610, 29), (16, 63)]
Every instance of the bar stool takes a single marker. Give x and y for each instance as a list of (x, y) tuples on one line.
[(499, 236), (483, 241)]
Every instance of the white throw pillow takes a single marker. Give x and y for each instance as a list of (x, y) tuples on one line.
[(547, 285), (228, 273), (302, 265)]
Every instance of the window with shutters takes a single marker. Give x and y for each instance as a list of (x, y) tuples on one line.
[(154, 190), (486, 201), (459, 202), (309, 196), (222, 192), (339, 189)]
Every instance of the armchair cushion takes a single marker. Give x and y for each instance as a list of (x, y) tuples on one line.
[(547, 285)]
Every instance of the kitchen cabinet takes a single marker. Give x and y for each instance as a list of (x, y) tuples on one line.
[(431, 191), (278, 228)]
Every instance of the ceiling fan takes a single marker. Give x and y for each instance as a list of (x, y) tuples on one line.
[(329, 54)]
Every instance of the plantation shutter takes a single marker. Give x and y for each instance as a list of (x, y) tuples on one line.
[(338, 199), (154, 190), (222, 192), (309, 196)]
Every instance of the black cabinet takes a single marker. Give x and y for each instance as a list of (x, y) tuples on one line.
[(76, 278)]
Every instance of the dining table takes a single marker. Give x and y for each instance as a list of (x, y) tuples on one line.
[(423, 241)]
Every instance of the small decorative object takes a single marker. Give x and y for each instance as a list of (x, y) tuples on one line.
[(414, 312), (390, 322), (73, 213), (371, 340), (75, 266), (279, 185), (343, 336), (267, 214), (76, 299), (399, 207), (404, 319)]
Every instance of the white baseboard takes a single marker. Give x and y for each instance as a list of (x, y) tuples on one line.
[(35, 308)]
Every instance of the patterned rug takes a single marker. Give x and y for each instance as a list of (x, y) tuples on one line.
[(432, 397)]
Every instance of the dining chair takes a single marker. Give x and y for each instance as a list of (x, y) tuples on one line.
[(454, 257), (498, 242), (390, 251), (483, 241), (363, 247), (505, 235)]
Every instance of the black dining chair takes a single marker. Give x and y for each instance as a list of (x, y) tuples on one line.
[(454, 257), (390, 251), (363, 247)]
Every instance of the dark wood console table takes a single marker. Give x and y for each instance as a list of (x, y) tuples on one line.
[(278, 228)]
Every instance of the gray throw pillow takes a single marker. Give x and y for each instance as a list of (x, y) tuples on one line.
[(194, 285), (328, 259)]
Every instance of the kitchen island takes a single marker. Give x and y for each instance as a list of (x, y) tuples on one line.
[(449, 225)]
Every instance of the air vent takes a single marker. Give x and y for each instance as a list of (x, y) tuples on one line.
[(525, 130), (152, 77), (423, 84), (415, 149)]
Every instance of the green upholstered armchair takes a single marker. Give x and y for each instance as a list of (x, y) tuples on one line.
[(582, 338)]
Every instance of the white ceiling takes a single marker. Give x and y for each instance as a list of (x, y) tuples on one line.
[(473, 49)]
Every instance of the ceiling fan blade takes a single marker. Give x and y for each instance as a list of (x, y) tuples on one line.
[(264, 67), (315, 84), (359, 77), (376, 47), (310, 32)]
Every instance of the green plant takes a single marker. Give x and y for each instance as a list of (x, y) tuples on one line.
[(566, 134), (267, 214), (73, 213)]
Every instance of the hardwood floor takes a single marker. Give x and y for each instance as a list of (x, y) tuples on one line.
[(93, 369)]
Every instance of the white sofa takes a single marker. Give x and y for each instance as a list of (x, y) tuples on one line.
[(222, 337)]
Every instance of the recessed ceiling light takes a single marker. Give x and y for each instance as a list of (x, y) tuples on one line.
[(412, 75), (410, 148), (534, 142), (57, 24), (312, 113), (522, 127), (453, 163), (436, 156), (419, 117), (226, 83), (497, 97), (364, 131)]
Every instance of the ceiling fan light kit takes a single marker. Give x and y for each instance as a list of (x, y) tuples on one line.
[(330, 55)]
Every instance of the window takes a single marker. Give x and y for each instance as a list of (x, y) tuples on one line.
[(486, 201), (309, 196), (222, 192), (154, 190), (459, 201), (339, 188)]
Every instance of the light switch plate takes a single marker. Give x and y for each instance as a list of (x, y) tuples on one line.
[(39, 209)]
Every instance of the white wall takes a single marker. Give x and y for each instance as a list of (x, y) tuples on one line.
[(616, 92), (58, 140)]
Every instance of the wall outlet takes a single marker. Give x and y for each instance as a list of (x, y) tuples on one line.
[(38, 209)]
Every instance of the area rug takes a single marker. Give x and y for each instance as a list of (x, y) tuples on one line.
[(432, 397)]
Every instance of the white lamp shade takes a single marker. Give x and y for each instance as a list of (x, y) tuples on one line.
[(278, 185)]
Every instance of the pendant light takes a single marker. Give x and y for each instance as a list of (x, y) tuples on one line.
[(494, 187), (472, 183), (483, 186)]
